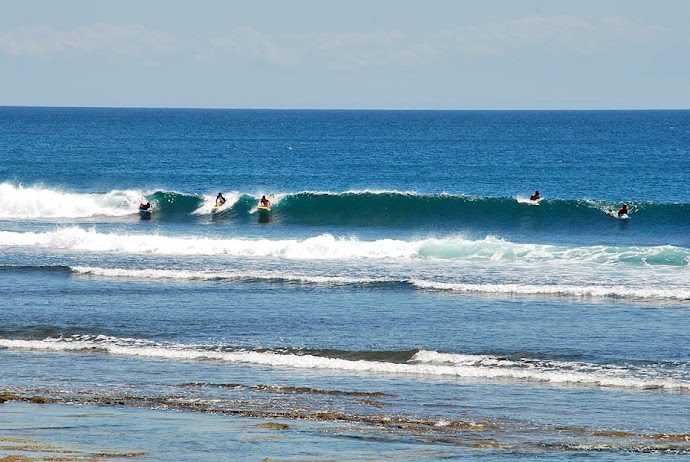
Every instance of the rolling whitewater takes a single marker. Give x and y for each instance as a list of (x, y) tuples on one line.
[(400, 298)]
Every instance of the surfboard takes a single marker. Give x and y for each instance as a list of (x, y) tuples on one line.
[(263, 208), (529, 201), (219, 208), (614, 214)]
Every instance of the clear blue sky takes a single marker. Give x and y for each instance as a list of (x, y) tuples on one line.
[(389, 54)]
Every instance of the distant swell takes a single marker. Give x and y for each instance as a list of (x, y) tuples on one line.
[(421, 362)]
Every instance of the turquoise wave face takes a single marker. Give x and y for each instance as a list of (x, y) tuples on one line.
[(412, 209), (445, 212), (175, 204), (516, 218)]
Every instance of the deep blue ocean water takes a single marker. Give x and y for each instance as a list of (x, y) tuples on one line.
[(402, 297)]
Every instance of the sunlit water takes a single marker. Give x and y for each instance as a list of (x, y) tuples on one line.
[(401, 299)]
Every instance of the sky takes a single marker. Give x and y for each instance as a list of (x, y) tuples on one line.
[(354, 54)]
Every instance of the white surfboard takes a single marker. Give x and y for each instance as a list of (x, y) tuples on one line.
[(614, 214), (522, 200)]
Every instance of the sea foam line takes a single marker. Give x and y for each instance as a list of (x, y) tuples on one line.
[(604, 291), (322, 247), (584, 291), (423, 363), (148, 274)]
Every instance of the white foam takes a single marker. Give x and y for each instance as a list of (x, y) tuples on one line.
[(495, 249), (148, 274), (355, 192), (329, 247), (323, 247), (584, 291), (617, 291), (427, 363), (19, 202), (382, 192), (209, 202)]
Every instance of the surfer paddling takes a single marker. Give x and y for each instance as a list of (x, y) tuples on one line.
[(623, 210), (535, 196)]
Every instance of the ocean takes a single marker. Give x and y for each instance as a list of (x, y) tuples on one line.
[(401, 300)]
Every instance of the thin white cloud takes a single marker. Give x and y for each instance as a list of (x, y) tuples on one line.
[(247, 42), (342, 52), (111, 39), (363, 50), (556, 34), (560, 35), (339, 52)]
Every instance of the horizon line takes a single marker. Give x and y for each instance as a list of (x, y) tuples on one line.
[(198, 108)]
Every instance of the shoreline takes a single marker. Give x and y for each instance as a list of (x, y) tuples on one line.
[(32, 424)]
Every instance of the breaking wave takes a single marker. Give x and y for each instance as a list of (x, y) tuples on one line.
[(18, 202), (329, 247), (351, 208)]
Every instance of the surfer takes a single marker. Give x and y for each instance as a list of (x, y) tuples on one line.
[(220, 200), (535, 196), (265, 202), (623, 210), (146, 206)]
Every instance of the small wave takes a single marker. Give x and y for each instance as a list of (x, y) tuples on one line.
[(583, 291), (423, 363), (148, 274), (286, 389)]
